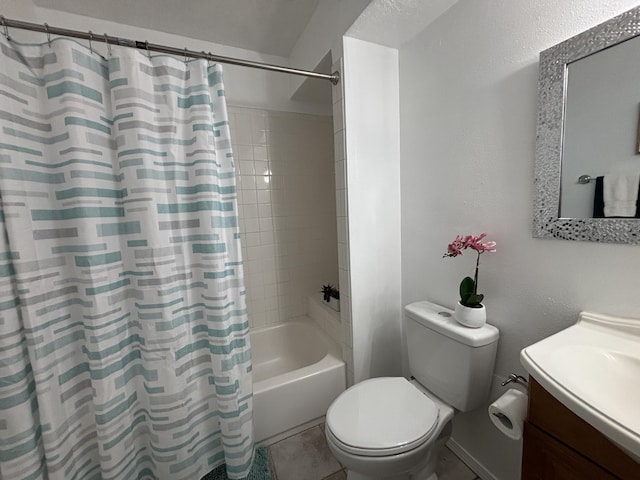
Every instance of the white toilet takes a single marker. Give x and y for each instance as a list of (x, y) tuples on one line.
[(391, 428)]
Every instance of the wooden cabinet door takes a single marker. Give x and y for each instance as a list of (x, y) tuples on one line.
[(551, 417), (545, 458)]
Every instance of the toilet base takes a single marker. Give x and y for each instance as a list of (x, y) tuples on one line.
[(426, 472), (358, 476)]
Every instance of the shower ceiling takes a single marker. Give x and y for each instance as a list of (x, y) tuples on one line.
[(266, 26)]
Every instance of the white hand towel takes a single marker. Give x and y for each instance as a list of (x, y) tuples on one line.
[(620, 194)]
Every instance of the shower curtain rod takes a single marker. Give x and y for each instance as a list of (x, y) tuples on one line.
[(125, 42)]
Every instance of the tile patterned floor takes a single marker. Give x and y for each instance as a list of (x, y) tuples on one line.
[(306, 456)]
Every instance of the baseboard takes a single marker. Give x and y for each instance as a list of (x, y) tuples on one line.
[(470, 461)]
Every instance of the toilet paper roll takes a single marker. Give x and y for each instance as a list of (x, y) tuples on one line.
[(508, 412)]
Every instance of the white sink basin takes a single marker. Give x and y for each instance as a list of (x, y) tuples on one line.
[(593, 368)]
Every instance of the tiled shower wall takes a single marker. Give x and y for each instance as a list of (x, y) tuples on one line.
[(287, 209), (342, 222)]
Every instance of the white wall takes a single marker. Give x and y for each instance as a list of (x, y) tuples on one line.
[(323, 34), (244, 86), (468, 93), (373, 202)]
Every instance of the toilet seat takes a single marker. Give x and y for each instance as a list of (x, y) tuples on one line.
[(381, 417)]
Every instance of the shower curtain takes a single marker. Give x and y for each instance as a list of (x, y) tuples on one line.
[(124, 349)]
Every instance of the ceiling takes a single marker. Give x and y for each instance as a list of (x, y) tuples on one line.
[(394, 22), (266, 26)]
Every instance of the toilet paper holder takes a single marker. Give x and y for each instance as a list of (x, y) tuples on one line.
[(515, 379)]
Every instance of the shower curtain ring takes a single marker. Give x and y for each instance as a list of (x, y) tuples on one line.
[(46, 29), (6, 28), (90, 40), (185, 55), (106, 40), (146, 45), (209, 62)]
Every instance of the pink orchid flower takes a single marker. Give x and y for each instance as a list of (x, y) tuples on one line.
[(469, 286), (477, 245), (455, 248)]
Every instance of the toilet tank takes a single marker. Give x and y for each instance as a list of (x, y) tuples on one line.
[(450, 360)]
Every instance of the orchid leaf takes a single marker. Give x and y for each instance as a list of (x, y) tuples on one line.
[(466, 288)]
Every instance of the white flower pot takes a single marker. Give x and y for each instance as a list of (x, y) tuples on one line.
[(334, 303), (470, 317)]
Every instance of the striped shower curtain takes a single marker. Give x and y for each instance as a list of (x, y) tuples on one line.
[(124, 350)]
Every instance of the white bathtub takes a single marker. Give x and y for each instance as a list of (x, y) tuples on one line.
[(297, 372)]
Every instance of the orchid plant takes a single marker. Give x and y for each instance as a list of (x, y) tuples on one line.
[(469, 296)]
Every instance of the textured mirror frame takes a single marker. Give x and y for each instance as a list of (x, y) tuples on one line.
[(552, 87)]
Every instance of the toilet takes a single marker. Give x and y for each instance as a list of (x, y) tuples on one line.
[(392, 428)]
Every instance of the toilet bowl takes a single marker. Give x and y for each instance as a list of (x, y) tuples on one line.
[(393, 429), (388, 428)]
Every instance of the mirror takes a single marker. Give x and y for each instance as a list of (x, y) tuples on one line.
[(600, 126), (588, 126)]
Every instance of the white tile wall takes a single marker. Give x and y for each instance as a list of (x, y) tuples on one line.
[(326, 318), (342, 223), (287, 206)]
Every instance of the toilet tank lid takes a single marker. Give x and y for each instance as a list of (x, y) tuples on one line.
[(440, 319)]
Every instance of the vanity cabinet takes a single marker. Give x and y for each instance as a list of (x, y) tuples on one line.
[(559, 445)]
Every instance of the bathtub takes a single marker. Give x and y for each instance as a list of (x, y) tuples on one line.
[(297, 372)]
